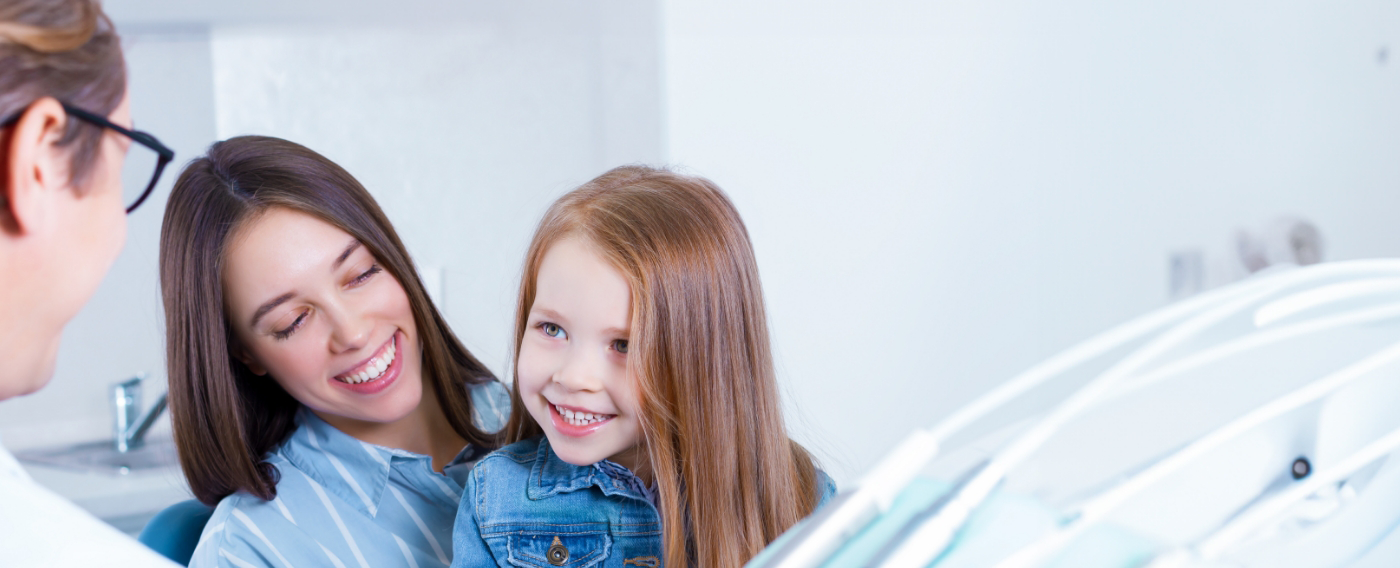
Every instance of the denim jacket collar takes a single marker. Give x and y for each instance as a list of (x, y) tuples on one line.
[(357, 471), (551, 476)]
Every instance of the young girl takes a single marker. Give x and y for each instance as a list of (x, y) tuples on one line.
[(645, 426)]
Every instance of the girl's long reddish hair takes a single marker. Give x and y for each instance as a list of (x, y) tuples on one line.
[(729, 479)]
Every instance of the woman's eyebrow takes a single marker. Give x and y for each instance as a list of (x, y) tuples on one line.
[(267, 307), (354, 244)]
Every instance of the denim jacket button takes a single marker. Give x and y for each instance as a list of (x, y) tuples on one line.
[(557, 554)]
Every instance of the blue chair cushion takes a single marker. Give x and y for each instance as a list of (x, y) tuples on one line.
[(175, 531)]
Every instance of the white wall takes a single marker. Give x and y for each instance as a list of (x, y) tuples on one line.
[(120, 332), (944, 193)]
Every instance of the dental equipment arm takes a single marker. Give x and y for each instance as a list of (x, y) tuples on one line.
[(1099, 507), (848, 515)]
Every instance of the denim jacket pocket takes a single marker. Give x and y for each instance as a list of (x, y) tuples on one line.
[(542, 548)]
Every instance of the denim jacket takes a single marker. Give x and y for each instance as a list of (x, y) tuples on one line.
[(525, 507)]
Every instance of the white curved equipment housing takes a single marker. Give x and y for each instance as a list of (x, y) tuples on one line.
[(1256, 425)]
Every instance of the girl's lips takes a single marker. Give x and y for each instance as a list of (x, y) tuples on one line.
[(571, 430), (391, 373)]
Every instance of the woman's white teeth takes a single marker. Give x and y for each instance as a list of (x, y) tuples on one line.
[(375, 368), (580, 418)]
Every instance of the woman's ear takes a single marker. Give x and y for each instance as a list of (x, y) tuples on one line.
[(248, 361), (33, 165)]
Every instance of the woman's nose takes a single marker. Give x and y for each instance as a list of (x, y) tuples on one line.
[(350, 329)]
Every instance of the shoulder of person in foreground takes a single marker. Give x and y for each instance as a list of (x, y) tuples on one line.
[(506, 469), (38, 528)]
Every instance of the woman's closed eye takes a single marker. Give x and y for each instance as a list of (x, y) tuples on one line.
[(366, 275), (286, 332), (552, 330)]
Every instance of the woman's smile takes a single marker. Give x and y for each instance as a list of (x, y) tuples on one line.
[(376, 373)]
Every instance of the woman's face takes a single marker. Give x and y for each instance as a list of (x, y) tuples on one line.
[(315, 311), (572, 369)]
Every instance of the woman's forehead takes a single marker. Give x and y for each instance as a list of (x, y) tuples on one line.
[(279, 248)]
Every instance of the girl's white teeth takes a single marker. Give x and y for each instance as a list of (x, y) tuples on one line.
[(580, 418), (375, 368)]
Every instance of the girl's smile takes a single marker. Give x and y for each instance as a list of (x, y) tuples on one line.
[(577, 422)]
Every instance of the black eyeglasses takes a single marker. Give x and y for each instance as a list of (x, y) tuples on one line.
[(162, 157)]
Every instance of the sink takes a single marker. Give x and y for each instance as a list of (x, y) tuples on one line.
[(102, 457)]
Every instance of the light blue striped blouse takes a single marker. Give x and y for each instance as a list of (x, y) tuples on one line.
[(346, 503)]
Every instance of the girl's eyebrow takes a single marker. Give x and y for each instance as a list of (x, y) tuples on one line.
[(546, 312)]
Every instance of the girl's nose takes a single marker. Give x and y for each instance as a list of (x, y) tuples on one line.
[(580, 373)]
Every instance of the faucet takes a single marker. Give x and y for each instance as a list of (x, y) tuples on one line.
[(129, 429)]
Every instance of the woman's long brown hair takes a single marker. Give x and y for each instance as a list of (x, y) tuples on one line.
[(226, 419), (728, 477)]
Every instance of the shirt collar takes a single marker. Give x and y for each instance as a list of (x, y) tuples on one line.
[(352, 470), (357, 471), (551, 476)]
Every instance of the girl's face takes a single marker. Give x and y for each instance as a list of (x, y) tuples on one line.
[(312, 308), (572, 371)]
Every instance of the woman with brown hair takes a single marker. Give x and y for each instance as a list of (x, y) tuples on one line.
[(64, 135), (646, 428), (317, 395)]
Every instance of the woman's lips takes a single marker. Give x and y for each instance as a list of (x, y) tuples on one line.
[(385, 379), (578, 423)]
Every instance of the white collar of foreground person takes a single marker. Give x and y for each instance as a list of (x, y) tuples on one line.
[(40, 529)]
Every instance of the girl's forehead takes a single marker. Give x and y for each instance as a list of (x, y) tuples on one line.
[(576, 282)]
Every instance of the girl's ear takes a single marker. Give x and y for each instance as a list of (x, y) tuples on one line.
[(34, 168)]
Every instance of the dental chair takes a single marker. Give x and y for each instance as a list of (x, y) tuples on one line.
[(175, 531)]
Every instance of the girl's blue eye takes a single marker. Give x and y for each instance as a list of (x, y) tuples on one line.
[(552, 330), (620, 346)]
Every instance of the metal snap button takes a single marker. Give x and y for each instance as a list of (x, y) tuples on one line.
[(557, 554)]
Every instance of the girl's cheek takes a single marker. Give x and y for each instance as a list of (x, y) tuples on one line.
[(531, 366)]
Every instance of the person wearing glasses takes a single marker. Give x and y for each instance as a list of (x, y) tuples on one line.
[(65, 136)]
